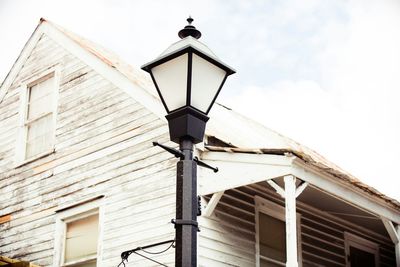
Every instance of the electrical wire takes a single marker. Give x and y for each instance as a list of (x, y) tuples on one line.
[(122, 263), (125, 255), (159, 252), (150, 259)]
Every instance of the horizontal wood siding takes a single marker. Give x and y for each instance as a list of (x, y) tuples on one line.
[(228, 237), (103, 147)]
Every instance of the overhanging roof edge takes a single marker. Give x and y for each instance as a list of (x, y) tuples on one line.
[(305, 161)]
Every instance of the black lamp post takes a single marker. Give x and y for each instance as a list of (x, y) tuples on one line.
[(188, 78)]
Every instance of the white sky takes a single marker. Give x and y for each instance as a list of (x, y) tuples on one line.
[(325, 73)]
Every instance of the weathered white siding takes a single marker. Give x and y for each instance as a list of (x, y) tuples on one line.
[(228, 237), (103, 147)]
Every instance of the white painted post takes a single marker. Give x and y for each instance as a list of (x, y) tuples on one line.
[(394, 233), (290, 213), (397, 246), (212, 204)]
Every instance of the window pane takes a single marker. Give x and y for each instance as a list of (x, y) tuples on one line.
[(361, 258), (40, 106), (39, 136), (272, 238), (40, 98), (206, 80), (41, 89), (39, 127), (81, 238), (171, 78)]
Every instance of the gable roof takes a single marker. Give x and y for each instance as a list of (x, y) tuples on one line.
[(241, 133), (106, 63), (135, 75)]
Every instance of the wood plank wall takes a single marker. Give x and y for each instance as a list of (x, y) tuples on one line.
[(103, 147), (228, 237)]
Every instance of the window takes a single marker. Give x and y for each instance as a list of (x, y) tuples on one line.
[(360, 252), (37, 117), (272, 240), (81, 239), (77, 238), (271, 234)]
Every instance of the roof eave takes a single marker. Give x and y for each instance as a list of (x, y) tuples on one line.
[(305, 161), (16, 67)]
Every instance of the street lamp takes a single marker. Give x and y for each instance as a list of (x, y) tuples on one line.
[(188, 78)]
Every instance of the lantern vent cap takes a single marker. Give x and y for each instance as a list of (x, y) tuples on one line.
[(183, 44), (189, 30)]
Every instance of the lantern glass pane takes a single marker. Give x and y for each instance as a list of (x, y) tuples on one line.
[(206, 80), (171, 79)]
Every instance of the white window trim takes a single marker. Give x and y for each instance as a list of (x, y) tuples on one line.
[(277, 211), (75, 212), (362, 244), (20, 151)]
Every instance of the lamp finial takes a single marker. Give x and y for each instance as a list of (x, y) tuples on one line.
[(189, 30)]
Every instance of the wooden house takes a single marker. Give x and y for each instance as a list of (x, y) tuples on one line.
[(81, 182)]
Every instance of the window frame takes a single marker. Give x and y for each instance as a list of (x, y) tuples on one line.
[(20, 154), (352, 240), (72, 213), (278, 212)]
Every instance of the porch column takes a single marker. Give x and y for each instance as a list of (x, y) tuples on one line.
[(397, 246), (394, 233), (396, 241), (291, 227)]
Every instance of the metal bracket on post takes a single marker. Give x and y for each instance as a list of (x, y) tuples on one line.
[(205, 165), (179, 154), (186, 222), (198, 206)]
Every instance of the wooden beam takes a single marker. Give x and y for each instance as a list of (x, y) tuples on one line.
[(277, 188), (5, 218), (238, 169), (344, 191), (290, 214), (301, 188), (397, 247), (394, 233), (4, 261), (212, 204), (391, 230)]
